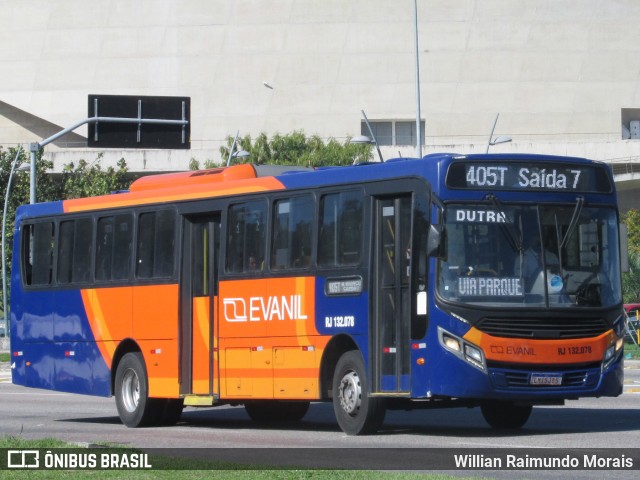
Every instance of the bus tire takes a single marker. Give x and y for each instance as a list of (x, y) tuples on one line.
[(505, 414), (356, 412), (270, 411), (135, 407)]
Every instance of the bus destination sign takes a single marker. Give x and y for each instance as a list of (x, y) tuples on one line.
[(528, 176)]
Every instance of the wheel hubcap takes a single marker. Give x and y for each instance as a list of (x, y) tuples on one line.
[(350, 393), (130, 391)]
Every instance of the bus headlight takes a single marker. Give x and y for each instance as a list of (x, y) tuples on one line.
[(450, 342), (473, 354), (462, 349), (610, 353)]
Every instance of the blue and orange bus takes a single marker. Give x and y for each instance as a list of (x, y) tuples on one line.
[(488, 281)]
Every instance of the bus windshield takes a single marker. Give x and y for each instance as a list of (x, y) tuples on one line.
[(523, 255)]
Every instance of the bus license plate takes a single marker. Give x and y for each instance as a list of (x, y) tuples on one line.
[(545, 379)]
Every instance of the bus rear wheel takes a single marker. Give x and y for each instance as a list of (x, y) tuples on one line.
[(505, 415), (135, 407), (356, 412), (273, 411)]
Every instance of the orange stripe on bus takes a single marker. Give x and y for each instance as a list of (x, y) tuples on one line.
[(168, 195), (99, 325), (539, 351), (141, 312)]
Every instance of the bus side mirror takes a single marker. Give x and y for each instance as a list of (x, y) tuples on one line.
[(436, 241)]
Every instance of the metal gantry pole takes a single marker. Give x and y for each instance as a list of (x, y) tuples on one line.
[(34, 147)]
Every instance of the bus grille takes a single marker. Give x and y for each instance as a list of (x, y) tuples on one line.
[(548, 328), (506, 378)]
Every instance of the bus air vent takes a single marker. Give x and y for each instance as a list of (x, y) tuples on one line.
[(543, 328)]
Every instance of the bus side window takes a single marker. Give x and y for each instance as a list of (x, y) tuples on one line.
[(113, 247), (38, 253), (340, 236), (82, 246), (65, 251), (292, 227), (27, 254), (156, 244), (122, 247), (104, 248), (420, 274), (74, 250), (165, 235), (246, 240)]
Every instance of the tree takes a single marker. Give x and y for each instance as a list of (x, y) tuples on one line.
[(78, 181), (632, 220), (89, 180), (631, 279), (297, 149), (19, 193)]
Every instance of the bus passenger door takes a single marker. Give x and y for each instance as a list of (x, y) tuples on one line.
[(199, 291), (390, 328)]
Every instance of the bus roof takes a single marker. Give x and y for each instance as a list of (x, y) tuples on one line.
[(211, 176), (247, 178)]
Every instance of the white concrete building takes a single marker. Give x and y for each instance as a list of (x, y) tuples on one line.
[(564, 75)]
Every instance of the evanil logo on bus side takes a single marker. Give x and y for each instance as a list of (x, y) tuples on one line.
[(255, 309)]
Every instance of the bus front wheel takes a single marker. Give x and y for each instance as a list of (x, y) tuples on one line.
[(357, 413), (135, 407), (505, 415)]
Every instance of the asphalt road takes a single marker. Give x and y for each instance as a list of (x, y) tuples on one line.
[(585, 423)]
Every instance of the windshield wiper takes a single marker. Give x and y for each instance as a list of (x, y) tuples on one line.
[(573, 223), (514, 241)]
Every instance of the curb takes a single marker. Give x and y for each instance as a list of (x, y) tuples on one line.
[(631, 364)]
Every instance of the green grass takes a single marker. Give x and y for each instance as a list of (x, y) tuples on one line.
[(4, 357), (17, 442), (197, 469), (631, 350)]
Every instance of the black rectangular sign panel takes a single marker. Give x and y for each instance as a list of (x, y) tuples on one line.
[(144, 124)]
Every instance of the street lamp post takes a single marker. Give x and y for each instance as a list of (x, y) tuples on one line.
[(360, 140), (497, 140), (243, 154), (373, 137), (418, 130), (4, 233)]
